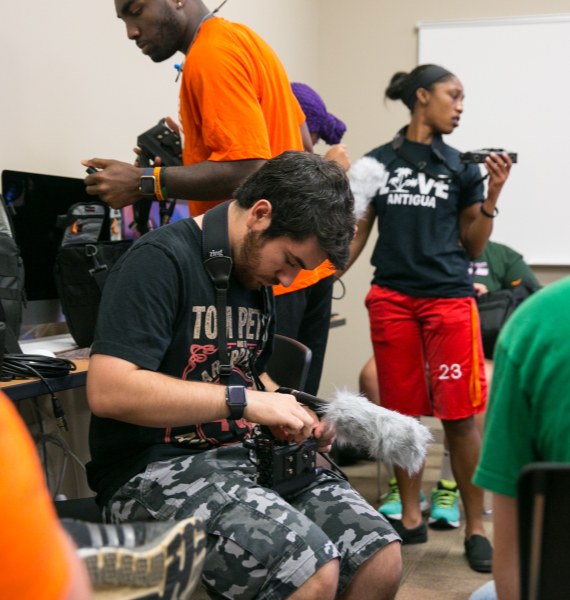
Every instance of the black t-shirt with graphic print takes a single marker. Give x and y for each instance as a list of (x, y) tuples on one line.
[(158, 312), (418, 250)]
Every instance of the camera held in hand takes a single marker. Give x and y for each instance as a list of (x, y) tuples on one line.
[(479, 156)]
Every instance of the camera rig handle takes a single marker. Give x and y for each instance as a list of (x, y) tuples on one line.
[(314, 403)]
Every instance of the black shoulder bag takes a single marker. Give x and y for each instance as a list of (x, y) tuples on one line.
[(82, 265), (495, 308)]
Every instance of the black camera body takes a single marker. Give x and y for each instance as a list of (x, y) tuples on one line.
[(161, 141), (284, 467), (479, 156)]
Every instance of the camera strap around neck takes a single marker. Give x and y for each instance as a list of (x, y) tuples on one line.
[(217, 259), (437, 148)]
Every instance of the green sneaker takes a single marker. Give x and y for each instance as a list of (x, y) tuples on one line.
[(444, 512), (392, 505)]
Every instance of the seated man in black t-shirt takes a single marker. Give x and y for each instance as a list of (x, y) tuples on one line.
[(164, 442)]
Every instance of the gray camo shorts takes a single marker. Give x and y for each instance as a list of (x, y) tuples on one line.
[(258, 545)]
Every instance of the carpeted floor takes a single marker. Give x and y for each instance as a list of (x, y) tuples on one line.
[(437, 570)]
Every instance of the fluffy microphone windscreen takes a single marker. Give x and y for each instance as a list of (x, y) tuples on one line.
[(385, 434)]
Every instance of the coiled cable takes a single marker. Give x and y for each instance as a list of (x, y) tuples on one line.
[(37, 365)]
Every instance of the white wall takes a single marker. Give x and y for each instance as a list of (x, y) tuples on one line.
[(75, 87)]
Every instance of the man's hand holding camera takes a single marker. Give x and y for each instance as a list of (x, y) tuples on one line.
[(116, 183), (288, 419)]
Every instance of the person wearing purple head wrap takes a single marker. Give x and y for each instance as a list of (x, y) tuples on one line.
[(321, 123), (303, 309)]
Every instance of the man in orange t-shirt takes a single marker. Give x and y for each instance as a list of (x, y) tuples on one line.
[(237, 109), (37, 559)]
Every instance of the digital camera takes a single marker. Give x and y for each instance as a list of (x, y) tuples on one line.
[(479, 156), (161, 141)]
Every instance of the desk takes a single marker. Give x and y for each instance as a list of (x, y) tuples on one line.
[(19, 389)]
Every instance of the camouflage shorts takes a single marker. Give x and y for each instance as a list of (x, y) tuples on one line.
[(259, 545)]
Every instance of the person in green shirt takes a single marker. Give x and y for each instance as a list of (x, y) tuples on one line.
[(528, 416), (497, 267)]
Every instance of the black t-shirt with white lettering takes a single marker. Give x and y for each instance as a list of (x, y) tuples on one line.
[(158, 312), (418, 250)]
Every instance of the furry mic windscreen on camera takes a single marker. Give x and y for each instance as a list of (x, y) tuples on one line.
[(386, 435)]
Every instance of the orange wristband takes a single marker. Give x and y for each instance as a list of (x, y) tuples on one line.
[(158, 186)]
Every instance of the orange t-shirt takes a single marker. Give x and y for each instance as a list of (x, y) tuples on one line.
[(236, 101), (33, 562), (306, 279)]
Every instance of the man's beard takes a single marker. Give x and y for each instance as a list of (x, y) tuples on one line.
[(247, 261), (168, 36)]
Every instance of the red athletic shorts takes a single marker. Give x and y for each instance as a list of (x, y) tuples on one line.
[(409, 333)]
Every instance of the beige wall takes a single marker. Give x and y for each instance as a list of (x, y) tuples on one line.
[(75, 87), (361, 45)]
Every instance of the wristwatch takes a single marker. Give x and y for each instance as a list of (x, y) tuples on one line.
[(236, 400), (148, 183)]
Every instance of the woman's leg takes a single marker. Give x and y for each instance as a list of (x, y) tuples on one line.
[(368, 382)]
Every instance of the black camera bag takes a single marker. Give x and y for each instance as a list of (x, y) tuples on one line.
[(80, 274), (495, 308)]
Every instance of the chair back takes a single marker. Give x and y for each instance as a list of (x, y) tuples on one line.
[(289, 364), (82, 509), (543, 498)]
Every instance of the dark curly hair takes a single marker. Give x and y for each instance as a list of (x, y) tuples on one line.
[(310, 196)]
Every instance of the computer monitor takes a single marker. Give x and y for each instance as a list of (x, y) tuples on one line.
[(34, 202)]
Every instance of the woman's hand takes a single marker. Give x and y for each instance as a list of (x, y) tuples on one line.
[(339, 154), (498, 168)]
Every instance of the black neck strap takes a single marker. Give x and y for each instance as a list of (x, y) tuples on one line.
[(217, 259), (216, 256)]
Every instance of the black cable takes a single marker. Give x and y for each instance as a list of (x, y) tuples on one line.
[(343, 288), (334, 465), (42, 431), (37, 365)]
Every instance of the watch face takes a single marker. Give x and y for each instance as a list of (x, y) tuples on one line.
[(236, 396), (147, 184)]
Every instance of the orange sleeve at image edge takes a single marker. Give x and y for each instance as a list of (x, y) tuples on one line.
[(33, 561)]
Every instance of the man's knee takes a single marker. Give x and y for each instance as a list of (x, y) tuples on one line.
[(321, 585), (378, 577), (388, 562)]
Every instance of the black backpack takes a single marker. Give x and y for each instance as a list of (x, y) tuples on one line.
[(12, 295)]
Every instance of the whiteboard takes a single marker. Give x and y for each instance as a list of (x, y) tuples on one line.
[(517, 96)]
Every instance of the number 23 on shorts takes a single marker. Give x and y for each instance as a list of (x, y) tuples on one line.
[(450, 371)]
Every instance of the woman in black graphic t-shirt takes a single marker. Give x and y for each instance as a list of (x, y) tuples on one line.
[(432, 216)]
